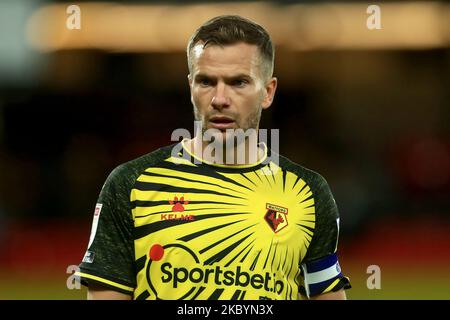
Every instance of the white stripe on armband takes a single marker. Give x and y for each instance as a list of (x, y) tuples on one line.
[(323, 275), (305, 280)]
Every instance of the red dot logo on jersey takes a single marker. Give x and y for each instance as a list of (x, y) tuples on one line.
[(156, 252), (178, 204)]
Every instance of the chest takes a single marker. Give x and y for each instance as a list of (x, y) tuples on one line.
[(252, 218)]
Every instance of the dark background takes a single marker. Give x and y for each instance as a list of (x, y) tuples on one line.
[(374, 121)]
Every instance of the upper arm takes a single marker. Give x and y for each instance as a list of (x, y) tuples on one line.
[(109, 261), (101, 293), (326, 230), (338, 295), (320, 270)]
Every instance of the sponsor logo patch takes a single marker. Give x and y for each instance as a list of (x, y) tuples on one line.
[(88, 257), (174, 271), (98, 209)]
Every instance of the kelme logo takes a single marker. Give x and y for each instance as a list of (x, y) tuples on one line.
[(178, 204)]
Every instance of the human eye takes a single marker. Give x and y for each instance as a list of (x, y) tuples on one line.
[(204, 82), (240, 83)]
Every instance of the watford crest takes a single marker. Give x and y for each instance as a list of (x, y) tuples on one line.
[(276, 217)]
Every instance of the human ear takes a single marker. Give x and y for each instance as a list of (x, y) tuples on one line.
[(269, 92)]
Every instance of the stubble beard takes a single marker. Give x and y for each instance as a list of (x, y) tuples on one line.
[(229, 139), (252, 122)]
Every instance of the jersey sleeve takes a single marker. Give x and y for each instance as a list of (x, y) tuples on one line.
[(320, 270), (109, 259)]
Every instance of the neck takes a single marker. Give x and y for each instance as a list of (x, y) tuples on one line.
[(233, 153)]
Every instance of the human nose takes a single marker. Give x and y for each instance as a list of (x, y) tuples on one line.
[(220, 99)]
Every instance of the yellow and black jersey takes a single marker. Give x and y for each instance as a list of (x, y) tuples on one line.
[(168, 227)]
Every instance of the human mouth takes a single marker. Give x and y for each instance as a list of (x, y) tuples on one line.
[(221, 122)]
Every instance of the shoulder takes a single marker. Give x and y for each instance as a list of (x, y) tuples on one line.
[(314, 179), (126, 173)]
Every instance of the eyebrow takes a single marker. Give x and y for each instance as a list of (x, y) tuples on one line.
[(234, 77)]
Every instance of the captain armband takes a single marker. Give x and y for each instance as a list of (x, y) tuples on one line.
[(322, 276)]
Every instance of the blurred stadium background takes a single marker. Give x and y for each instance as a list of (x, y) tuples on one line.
[(369, 109)]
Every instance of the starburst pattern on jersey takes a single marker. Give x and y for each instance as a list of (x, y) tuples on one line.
[(229, 230), (173, 229)]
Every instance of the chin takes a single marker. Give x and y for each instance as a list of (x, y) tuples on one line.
[(216, 135)]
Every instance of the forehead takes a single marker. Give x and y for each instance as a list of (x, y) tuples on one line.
[(239, 57)]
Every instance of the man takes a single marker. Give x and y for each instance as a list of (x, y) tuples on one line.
[(183, 223)]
